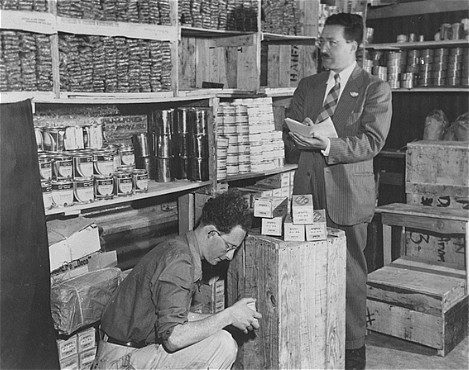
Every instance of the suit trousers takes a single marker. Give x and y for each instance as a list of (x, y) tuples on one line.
[(356, 267)]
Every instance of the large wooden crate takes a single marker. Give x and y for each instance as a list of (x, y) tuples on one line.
[(415, 297), (437, 174), (300, 292)]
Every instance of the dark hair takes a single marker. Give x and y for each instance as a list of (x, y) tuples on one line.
[(226, 211), (352, 23)]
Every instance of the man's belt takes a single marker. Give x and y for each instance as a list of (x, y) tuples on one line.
[(112, 340)]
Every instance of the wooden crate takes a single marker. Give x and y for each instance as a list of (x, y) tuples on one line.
[(420, 297), (233, 61), (420, 302), (437, 162), (300, 292), (436, 195)]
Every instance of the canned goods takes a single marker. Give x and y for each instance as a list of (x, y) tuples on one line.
[(126, 153), (54, 139), (201, 120), (140, 181), (62, 167), (163, 170), (103, 187), (83, 190), (39, 138), (185, 120), (123, 184), (47, 194), (183, 145), (95, 137), (163, 146), (200, 146), (182, 168), (103, 162), (62, 192), (161, 121), (140, 144), (199, 169), (82, 165), (45, 167)]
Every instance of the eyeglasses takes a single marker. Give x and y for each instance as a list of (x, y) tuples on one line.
[(331, 44), (228, 246)]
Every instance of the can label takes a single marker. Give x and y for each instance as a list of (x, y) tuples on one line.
[(103, 164), (47, 195), (140, 181), (103, 187), (123, 184), (127, 157), (82, 166), (45, 168), (83, 190), (63, 168), (62, 193)]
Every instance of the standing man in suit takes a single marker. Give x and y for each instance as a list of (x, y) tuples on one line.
[(338, 171)]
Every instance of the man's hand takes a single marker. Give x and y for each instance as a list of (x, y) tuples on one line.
[(309, 143), (244, 317)]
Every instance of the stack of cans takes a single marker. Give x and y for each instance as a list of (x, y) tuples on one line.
[(161, 122), (200, 153), (440, 67), (425, 67), (455, 62), (395, 61), (465, 67)]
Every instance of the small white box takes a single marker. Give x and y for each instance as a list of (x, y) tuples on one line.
[(318, 229), (67, 347), (70, 363), (292, 232), (302, 209), (270, 207), (86, 358), (272, 226), (86, 339)]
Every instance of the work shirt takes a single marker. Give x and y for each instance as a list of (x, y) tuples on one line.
[(156, 295)]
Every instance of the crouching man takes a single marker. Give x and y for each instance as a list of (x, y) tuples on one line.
[(147, 323)]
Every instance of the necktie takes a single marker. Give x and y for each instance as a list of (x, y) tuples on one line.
[(331, 101)]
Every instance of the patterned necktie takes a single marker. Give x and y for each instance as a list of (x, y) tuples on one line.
[(331, 101)]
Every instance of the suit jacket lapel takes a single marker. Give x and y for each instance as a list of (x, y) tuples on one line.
[(349, 97)]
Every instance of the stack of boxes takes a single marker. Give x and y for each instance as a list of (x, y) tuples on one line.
[(78, 351), (246, 138)]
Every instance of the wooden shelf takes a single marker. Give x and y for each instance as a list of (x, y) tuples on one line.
[(155, 189), (432, 89), (272, 37), (188, 31), (278, 91), (417, 45), (40, 22), (404, 9), (251, 175)]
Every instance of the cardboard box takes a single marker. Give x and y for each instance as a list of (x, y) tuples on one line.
[(86, 358), (67, 347), (210, 298), (272, 226), (86, 339), (299, 289), (302, 209), (71, 239), (318, 229), (70, 363), (292, 232), (270, 207)]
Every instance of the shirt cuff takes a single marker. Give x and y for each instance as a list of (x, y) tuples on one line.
[(326, 151)]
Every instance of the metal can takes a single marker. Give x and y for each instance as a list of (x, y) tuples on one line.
[(45, 167), (140, 181), (82, 165), (103, 187), (103, 162), (199, 169), (47, 194), (201, 120), (54, 139), (62, 167), (126, 153), (62, 192), (83, 190), (39, 138), (95, 137), (185, 120), (163, 170), (123, 185), (199, 146), (164, 146)]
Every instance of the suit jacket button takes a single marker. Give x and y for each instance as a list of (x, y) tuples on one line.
[(308, 174)]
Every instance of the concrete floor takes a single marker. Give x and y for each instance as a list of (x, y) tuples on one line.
[(385, 352)]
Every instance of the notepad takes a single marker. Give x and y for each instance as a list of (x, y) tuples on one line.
[(325, 128)]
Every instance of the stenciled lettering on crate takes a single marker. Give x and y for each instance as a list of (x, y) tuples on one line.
[(300, 292)]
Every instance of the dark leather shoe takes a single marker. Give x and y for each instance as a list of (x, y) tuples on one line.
[(355, 359)]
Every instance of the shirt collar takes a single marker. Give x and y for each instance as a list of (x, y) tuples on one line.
[(344, 74), (195, 251)]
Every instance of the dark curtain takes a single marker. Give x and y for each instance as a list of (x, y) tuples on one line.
[(27, 332)]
